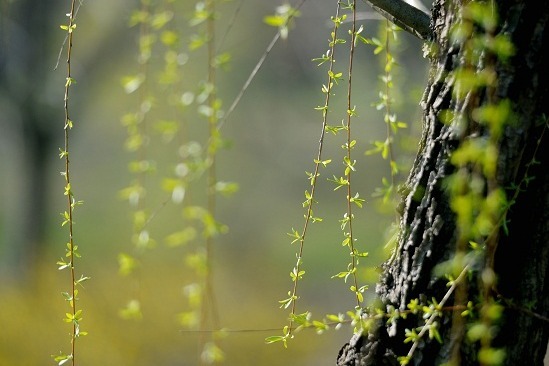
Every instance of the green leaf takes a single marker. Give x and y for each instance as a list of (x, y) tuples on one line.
[(411, 335), (340, 182), (340, 318), (477, 331), (212, 353), (274, 20), (69, 82), (132, 83), (341, 274), (336, 77), (181, 237), (81, 280), (126, 264), (433, 332), (132, 311), (159, 20), (324, 109), (321, 60), (296, 275), (287, 302), (296, 235), (61, 359), (281, 19), (63, 264), (338, 20), (323, 162), (274, 339), (356, 200), (491, 356), (226, 188)]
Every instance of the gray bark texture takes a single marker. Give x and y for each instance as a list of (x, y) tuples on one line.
[(428, 232)]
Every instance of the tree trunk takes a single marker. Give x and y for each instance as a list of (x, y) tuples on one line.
[(429, 234), (28, 129)]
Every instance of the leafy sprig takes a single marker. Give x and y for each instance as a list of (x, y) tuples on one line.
[(74, 316)]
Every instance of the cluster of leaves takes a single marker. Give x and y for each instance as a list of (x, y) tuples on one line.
[(385, 103), (305, 321), (297, 272), (475, 197), (137, 143), (186, 98), (479, 203), (353, 199), (282, 19), (364, 319)]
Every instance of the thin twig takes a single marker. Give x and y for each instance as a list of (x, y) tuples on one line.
[(80, 2), (434, 315), (315, 174), (255, 70), (349, 161), (230, 26), (68, 189)]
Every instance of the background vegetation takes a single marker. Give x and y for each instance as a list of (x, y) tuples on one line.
[(273, 136)]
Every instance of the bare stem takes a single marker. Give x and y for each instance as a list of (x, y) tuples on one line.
[(256, 68)]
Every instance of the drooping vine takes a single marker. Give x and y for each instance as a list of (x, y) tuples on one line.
[(299, 236), (302, 320), (350, 163), (74, 316), (385, 104), (209, 313), (192, 183), (137, 127), (476, 198)]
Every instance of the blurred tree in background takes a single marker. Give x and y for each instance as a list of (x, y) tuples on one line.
[(30, 107)]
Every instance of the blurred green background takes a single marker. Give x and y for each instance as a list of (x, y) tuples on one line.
[(273, 138)]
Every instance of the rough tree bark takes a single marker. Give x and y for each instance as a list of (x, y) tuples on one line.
[(428, 231)]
